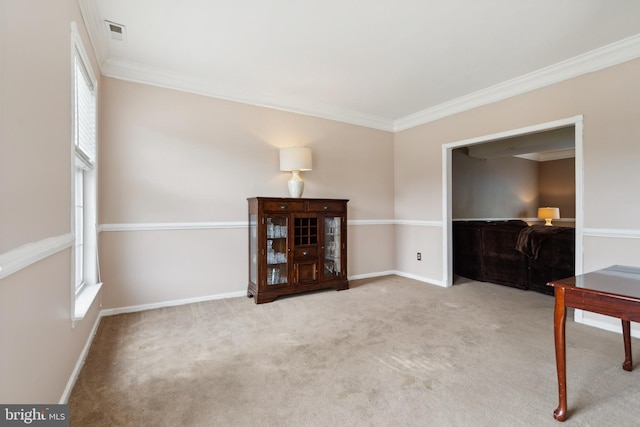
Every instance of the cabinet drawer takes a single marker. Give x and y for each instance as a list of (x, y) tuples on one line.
[(305, 251), (326, 206), (283, 206)]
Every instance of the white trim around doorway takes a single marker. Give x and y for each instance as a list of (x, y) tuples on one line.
[(447, 247)]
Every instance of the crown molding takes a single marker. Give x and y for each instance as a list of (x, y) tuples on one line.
[(138, 73), (606, 56), (95, 29)]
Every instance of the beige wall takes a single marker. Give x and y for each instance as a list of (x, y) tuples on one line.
[(39, 347), (167, 153), (609, 100), (36, 124), (173, 157), (169, 158)]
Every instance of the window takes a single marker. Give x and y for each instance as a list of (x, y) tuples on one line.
[(86, 277), (79, 229)]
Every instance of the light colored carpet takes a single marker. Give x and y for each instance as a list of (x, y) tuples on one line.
[(389, 351)]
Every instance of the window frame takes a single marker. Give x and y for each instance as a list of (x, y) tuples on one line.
[(85, 276)]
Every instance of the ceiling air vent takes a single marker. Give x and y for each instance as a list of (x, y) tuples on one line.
[(116, 31)]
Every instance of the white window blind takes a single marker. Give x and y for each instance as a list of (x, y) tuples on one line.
[(85, 114)]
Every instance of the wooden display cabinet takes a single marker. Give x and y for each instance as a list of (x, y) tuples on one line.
[(296, 245)]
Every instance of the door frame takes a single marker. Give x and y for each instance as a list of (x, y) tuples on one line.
[(447, 240)]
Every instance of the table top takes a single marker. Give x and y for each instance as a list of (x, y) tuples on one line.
[(616, 280)]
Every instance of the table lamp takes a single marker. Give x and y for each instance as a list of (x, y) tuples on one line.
[(295, 160), (548, 214)]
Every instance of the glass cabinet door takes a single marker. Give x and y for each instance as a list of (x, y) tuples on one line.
[(332, 246), (253, 249), (276, 250)]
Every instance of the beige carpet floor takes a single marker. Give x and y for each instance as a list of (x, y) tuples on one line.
[(389, 351)]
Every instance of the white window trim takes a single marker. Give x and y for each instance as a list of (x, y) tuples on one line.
[(83, 298)]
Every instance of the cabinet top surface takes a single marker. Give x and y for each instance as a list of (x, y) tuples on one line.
[(291, 199)]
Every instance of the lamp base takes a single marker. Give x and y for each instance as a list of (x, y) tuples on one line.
[(547, 222), (296, 185)]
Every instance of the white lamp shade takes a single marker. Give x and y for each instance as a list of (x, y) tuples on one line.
[(549, 213), (295, 159)]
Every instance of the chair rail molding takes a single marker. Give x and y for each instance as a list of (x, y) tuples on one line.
[(25, 255), (616, 233), (157, 226)]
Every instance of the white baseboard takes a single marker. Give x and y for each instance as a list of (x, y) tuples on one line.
[(370, 275), (243, 293), (142, 307), (421, 278), (398, 273), (608, 326), (79, 363)]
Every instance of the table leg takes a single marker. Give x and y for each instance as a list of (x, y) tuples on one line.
[(559, 320), (626, 333)]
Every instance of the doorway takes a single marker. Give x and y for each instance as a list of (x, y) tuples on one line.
[(575, 122)]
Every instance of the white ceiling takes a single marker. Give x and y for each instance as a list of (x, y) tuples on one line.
[(386, 64)]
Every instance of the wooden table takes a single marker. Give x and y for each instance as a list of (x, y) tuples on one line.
[(612, 291)]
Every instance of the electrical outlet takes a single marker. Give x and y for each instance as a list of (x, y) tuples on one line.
[(419, 256)]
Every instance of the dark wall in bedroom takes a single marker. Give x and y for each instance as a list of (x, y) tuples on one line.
[(557, 185), (510, 187)]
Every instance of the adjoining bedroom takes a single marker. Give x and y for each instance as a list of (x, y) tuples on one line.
[(336, 213), (502, 192)]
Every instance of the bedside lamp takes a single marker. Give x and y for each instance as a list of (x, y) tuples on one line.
[(548, 214), (295, 160)]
